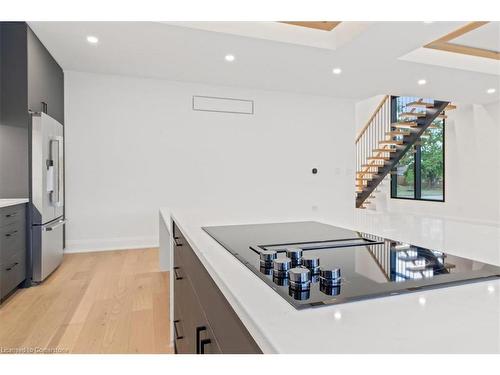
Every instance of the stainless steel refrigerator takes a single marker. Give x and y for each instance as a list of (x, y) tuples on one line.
[(47, 195)]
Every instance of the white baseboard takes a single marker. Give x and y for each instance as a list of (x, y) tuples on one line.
[(109, 244)]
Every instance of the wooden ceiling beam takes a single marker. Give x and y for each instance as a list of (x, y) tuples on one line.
[(318, 25)]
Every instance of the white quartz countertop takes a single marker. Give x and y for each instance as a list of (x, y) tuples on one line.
[(458, 319), (12, 202)]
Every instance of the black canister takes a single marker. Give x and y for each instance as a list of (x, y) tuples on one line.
[(295, 255), (267, 257), (311, 262)]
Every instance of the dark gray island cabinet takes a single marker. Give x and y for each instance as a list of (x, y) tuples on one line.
[(204, 321), (12, 248)]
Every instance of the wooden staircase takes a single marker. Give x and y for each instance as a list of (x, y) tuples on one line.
[(381, 144)]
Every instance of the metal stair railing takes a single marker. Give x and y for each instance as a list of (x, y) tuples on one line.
[(369, 137)]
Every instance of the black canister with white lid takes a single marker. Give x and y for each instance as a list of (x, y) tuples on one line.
[(300, 278), (281, 266), (311, 262), (267, 257), (330, 276)]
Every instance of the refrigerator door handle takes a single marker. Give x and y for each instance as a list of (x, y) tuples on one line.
[(56, 144), (60, 173), (52, 170), (54, 226)]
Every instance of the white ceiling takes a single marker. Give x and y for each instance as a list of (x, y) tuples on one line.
[(282, 32), (369, 59), (486, 37), (454, 60)]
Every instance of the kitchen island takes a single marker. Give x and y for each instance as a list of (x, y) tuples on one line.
[(457, 319)]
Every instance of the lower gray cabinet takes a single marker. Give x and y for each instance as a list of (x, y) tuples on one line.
[(204, 322), (12, 248)]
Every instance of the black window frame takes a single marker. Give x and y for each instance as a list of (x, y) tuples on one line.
[(417, 163)]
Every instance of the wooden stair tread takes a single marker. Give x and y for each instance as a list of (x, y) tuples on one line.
[(384, 150), (364, 178), (441, 116), (378, 158), (420, 104), (412, 114), (365, 172), (390, 142), (372, 165), (404, 124), (395, 133)]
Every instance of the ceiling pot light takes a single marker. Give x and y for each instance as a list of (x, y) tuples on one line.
[(421, 82), (92, 39), (428, 21), (229, 58), (491, 91), (336, 71)]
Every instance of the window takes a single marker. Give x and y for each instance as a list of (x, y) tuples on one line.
[(419, 175)]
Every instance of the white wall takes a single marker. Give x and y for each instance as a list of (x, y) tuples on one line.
[(364, 110), (134, 145), (472, 169)]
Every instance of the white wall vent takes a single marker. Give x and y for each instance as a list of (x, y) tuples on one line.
[(224, 105)]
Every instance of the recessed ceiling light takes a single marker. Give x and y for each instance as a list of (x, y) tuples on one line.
[(92, 39), (491, 91), (428, 21), (229, 58), (336, 71), (422, 82), (422, 301)]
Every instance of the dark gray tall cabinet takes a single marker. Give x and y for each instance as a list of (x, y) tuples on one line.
[(31, 80), (45, 79)]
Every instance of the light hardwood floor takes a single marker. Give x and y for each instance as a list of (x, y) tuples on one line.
[(101, 302)]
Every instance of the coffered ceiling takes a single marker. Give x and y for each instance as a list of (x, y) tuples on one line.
[(474, 46)]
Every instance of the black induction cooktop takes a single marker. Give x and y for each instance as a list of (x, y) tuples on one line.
[(311, 264)]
